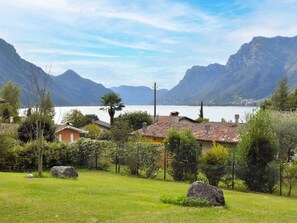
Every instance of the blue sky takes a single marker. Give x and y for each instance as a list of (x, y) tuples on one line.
[(138, 42)]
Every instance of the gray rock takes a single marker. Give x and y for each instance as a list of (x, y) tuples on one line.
[(63, 171), (202, 190)]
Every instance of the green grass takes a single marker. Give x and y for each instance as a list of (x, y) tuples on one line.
[(105, 197)]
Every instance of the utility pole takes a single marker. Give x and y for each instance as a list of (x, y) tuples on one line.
[(155, 101)]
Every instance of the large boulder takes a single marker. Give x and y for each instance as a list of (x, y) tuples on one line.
[(63, 171), (213, 194)]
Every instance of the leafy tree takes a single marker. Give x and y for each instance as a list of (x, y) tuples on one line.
[(290, 173), (90, 118), (142, 157), (47, 107), (119, 135), (292, 100), (75, 117), (213, 163), (27, 129), (279, 99), (11, 94), (285, 127), (39, 100), (183, 151), (112, 103), (135, 119), (256, 153), (93, 131)]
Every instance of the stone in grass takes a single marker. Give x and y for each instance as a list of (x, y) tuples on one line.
[(201, 190), (64, 172)]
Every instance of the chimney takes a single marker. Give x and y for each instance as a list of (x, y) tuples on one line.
[(144, 127), (174, 117), (207, 129), (237, 118)]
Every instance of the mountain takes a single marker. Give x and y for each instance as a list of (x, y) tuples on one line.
[(82, 91), (139, 95), (251, 73), (68, 89)]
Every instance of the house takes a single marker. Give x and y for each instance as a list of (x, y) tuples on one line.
[(174, 117), (67, 133), (104, 126), (226, 134)]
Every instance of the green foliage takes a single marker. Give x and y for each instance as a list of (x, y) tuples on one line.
[(183, 151), (93, 131), (142, 158), (290, 174), (279, 99), (112, 103), (184, 201), (135, 119), (213, 163), (292, 100), (27, 130), (256, 152), (11, 94), (75, 117), (91, 118), (201, 120), (6, 110), (285, 128), (46, 106)]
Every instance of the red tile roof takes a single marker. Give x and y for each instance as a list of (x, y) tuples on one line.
[(218, 132)]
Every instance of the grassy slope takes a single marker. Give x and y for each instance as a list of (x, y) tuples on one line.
[(105, 197)]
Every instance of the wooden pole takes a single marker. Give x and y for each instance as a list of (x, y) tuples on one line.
[(155, 101)]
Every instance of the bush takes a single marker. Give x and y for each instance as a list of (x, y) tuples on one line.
[(184, 201), (214, 162), (142, 157), (183, 151)]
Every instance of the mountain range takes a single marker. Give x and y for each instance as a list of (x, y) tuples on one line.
[(252, 73)]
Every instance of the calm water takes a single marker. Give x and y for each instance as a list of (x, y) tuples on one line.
[(214, 113)]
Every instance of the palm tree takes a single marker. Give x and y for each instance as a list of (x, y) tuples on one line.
[(111, 102)]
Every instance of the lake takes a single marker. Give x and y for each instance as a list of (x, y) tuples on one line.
[(214, 113)]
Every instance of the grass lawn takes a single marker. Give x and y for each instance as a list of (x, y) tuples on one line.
[(105, 197)]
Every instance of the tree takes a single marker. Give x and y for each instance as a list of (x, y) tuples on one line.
[(285, 127), (136, 119), (119, 135), (290, 173), (292, 100), (183, 151), (11, 94), (27, 129), (279, 99), (213, 163), (39, 101), (90, 118), (112, 103), (93, 131), (75, 117), (256, 153)]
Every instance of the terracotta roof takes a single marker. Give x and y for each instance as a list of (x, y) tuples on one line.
[(62, 127), (168, 118), (218, 131)]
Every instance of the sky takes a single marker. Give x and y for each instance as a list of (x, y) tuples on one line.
[(138, 42)]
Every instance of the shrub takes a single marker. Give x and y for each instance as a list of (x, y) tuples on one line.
[(183, 151), (213, 163), (184, 201), (142, 157)]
